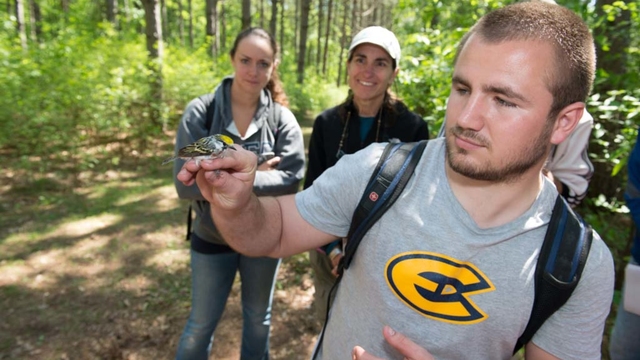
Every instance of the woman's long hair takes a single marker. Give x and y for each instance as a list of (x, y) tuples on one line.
[(274, 85)]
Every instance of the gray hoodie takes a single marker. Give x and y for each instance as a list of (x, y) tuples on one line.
[(287, 143)]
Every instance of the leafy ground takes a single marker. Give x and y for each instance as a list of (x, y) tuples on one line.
[(94, 265)]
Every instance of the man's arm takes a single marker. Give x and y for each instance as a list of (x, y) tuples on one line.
[(533, 352), (252, 225)]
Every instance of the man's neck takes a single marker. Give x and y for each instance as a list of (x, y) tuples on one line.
[(492, 204)]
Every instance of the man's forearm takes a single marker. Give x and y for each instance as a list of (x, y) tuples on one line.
[(255, 230)]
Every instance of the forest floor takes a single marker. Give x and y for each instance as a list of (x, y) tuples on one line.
[(94, 264)]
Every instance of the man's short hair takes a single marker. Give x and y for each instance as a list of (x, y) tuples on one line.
[(572, 78)]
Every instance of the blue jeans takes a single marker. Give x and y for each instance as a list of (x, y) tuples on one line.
[(624, 342), (212, 277)]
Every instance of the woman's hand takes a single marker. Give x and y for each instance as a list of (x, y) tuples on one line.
[(270, 164)]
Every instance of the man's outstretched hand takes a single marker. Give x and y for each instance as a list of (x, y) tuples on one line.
[(226, 182), (403, 344)]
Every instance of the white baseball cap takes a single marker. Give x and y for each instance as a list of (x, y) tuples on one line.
[(377, 35)]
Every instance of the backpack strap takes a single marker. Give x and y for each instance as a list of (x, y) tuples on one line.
[(562, 258), (394, 169)]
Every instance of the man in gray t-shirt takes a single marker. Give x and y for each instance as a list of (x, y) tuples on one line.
[(448, 271)]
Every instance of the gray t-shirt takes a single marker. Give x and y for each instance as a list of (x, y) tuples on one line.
[(427, 270)]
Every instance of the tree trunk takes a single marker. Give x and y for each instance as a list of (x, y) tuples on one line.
[(180, 22), (262, 14), (304, 28), (296, 19), (20, 25), (354, 14), (211, 14), (190, 10), (165, 20), (223, 25), (343, 41), (112, 12), (246, 14), (326, 39), (319, 42), (36, 20), (127, 11), (153, 32), (274, 17), (281, 23), (64, 5)]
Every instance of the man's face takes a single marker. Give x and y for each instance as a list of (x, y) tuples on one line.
[(496, 120)]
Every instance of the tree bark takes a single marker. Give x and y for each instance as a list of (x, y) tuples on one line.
[(223, 25), (20, 25), (211, 13), (274, 17), (153, 32), (246, 14), (190, 10), (304, 28), (180, 22), (326, 39), (296, 19), (319, 43), (281, 41), (36, 21), (112, 12), (165, 20), (343, 41)]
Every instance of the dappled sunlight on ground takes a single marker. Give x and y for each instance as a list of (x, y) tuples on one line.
[(94, 265)]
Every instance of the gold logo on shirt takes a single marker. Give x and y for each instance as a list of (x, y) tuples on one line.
[(437, 286)]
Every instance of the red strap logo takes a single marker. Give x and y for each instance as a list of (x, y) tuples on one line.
[(373, 196)]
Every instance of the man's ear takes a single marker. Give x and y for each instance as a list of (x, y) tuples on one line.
[(566, 121)]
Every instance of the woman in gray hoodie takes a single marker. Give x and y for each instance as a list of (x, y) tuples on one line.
[(250, 107)]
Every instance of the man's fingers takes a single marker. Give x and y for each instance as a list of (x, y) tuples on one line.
[(358, 353), (405, 346)]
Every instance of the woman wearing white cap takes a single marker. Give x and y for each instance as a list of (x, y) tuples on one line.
[(371, 113)]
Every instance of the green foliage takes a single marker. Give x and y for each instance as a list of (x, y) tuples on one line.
[(70, 92), (618, 110), (425, 76)]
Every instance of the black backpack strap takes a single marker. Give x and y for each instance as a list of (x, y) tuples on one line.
[(562, 258), (393, 171), (189, 220), (392, 174)]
